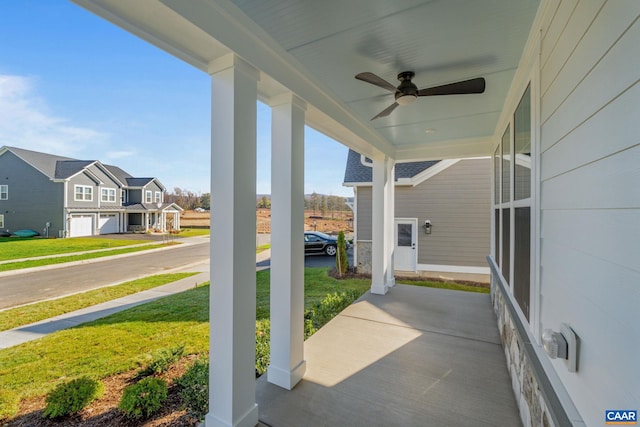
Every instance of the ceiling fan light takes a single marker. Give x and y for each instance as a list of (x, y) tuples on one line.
[(406, 99)]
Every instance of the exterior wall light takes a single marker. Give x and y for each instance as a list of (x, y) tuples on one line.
[(562, 345), (427, 227)]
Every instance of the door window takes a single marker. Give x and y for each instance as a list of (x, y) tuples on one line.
[(405, 234)]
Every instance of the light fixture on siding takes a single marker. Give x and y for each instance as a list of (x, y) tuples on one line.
[(561, 345)]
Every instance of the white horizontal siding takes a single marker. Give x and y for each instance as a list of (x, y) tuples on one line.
[(590, 197)]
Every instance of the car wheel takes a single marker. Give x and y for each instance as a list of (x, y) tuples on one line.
[(330, 250)]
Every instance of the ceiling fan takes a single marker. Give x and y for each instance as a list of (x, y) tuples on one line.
[(407, 92)]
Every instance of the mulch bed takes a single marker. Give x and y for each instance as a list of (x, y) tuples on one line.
[(104, 411)]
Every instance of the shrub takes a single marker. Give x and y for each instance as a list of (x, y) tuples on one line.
[(194, 389), (263, 341), (162, 360), (342, 262), (330, 306), (70, 397), (8, 404), (142, 399)]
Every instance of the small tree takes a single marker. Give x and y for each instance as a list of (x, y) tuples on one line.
[(342, 262)]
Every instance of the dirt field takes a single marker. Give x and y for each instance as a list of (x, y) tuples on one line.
[(328, 223)]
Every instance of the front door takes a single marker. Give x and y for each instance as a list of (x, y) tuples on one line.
[(406, 244)]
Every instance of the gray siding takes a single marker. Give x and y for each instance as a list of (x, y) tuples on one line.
[(456, 201), (33, 198), (134, 196), (107, 182), (83, 179), (363, 214)]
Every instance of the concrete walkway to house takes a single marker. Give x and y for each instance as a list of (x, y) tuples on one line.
[(42, 328), (414, 357)]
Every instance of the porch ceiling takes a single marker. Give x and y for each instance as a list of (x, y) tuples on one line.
[(315, 48)]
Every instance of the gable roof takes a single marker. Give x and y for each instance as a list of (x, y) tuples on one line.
[(45, 163), (58, 167), (358, 173)]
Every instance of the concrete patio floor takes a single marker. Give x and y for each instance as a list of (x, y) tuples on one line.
[(414, 357)]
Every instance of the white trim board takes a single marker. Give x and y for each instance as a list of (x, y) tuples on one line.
[(453, 268)]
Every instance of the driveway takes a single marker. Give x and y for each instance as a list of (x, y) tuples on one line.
[(313, 261)]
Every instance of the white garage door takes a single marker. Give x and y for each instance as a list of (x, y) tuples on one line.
[(81, 225), (108, 223)]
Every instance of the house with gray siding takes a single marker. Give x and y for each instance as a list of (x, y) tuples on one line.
[(64, 197), (442, 222)]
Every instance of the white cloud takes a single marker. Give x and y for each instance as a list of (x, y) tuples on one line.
[(26, 122)]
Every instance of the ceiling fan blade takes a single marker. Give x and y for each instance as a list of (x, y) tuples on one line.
[(386, 111), (459, 88), (375, 80)]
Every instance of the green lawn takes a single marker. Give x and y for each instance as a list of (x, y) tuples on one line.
[(193, 232), (31, 313), (125, 340), (15, 248), (263, 248), (60, 260)]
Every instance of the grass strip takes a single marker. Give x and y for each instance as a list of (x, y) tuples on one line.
[(447, 285), (15, 248), (31, 313), (263, 248), (60, 260)]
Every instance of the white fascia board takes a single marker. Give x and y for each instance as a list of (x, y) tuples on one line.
[(432, 171), (106, 171)]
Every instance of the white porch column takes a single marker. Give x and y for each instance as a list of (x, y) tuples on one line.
[(287, 364), (382, 225), (233, 254), (390, 224)]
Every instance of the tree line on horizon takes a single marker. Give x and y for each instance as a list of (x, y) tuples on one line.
[(318, 203)]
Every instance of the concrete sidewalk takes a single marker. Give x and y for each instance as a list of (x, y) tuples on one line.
[(40, 329)]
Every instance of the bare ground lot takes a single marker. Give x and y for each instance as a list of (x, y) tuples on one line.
[(327, 223)]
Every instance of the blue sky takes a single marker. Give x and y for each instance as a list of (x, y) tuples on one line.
[(73, 84)]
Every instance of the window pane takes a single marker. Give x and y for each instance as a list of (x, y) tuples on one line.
[(522, 258), (496, 237), (496, 175), (505, 243), (506, 166), (4, 192), (1, 221), (404, 234), (87, 193), (522, 135)]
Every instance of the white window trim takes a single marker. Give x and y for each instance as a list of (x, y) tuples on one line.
[(148, 196), (111, 195), (6, 192), (84, 194), (158, 197), (1, 220)]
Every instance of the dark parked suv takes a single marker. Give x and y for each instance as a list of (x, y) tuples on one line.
[(316, 243)]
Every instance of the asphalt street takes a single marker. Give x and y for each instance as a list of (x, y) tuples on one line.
[(39, 285), (28, 287)]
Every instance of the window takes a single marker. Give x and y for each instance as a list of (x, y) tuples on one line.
[(147, 197), (108, 195), (1, 220), (158, 197), (512, 203), (4, 192), (83, 193)]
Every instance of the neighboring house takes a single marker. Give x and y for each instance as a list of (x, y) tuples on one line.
[(64, 197), (442, 223)]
